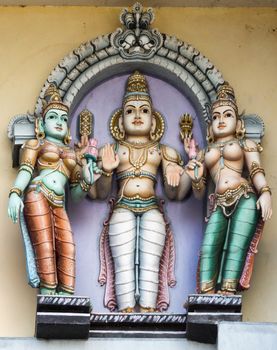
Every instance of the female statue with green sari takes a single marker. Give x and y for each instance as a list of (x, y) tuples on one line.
[(240, 204)]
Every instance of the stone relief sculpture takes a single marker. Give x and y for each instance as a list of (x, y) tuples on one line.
[(47, 164), (137, 252), (137, 41), (239, 205), (136, 245)]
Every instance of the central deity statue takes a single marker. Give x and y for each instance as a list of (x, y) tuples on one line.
[(137, 254)]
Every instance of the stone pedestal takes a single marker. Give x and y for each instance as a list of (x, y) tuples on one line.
[(62, 317), (144, 325), (205, 311)]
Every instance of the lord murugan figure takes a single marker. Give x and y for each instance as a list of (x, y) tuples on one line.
[(240, 203), (137, 242), (47, 164)]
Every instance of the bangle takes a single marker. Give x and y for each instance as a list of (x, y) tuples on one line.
[(106, 173), (255, 169), (84, 186), (265, 189), (16, 190), (198, 185)]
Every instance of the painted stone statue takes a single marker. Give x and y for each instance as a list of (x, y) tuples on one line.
[(240, 203), (47, 164), (137, 251)]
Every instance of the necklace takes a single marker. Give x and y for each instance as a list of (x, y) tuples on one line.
[(143, 157), (138, 145), (221, 145)]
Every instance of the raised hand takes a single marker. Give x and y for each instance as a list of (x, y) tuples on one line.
[(110, 160), (186, 141), (81, 147), (15, 205), (173, 174)]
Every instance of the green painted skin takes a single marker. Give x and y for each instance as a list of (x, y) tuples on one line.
[(240, 228), (55, 128)]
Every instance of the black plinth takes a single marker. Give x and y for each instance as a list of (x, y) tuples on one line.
[(158, 325), (63, 317), (204, 312)]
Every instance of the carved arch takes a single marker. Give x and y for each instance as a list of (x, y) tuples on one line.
[(135, 46)]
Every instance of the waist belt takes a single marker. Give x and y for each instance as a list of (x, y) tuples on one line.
[(136, 173), (51, 196), (138, 204), (229, 199)]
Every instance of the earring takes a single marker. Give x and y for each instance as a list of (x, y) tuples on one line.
[(39, 131), (152, 133), (240, 132), (67, 138), (210, 137)]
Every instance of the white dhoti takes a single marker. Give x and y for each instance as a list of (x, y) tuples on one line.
[(131, 245)]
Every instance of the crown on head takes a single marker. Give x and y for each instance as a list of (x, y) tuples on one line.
[(137, 88), (225, 97), (52, 100)]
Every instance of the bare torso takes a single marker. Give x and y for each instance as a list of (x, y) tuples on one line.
[(138, 161), (225, 163)]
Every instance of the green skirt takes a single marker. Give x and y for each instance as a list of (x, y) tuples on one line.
[(225, 245)]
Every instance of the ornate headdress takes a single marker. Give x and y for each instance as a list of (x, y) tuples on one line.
[(52, 99), (137, 88), (226, 97)]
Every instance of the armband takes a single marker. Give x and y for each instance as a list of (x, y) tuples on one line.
[(255, 169), (27, 166), (177, 159), (258, 147)]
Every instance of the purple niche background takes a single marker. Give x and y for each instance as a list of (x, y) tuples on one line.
[(186, 217)]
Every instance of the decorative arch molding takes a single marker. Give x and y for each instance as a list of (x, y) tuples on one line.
[(134, 46)]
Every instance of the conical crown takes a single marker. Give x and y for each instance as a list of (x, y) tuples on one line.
[(225, 97), (52, 100), (137, 88)]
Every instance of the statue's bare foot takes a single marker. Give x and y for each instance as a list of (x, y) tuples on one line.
[(225, 292), (47, 291), (212, 291), (147, 309), (64, 292), (127, 310)]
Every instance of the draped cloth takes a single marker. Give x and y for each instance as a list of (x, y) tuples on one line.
[(166, 270), (52, 240)]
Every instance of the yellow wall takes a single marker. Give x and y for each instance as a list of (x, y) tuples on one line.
[(242, 43)]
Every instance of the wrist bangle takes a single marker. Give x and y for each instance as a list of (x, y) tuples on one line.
[(198, 185), (85, 186), (265, 189), (107, 173), (16, 190)]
